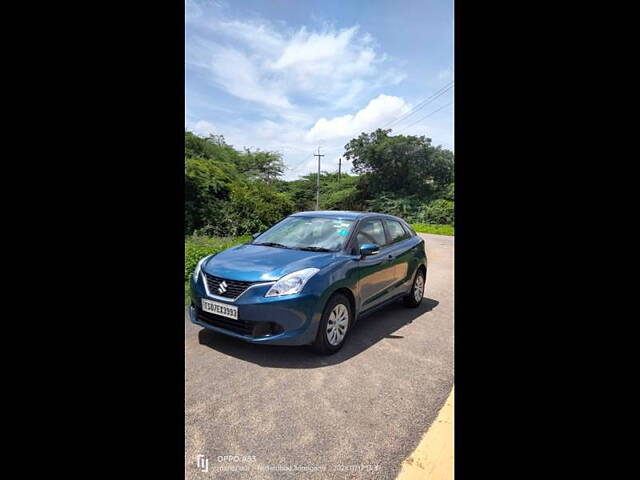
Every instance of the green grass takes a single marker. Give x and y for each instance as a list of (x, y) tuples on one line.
[(435, 229), (197, 247), (187, 294)]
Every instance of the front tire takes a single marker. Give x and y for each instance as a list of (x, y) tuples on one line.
[(334, 325), (414, 297)]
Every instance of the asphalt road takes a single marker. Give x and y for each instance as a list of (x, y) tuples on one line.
[(356, 414)]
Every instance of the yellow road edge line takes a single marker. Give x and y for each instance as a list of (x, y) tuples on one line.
[(433, 457)]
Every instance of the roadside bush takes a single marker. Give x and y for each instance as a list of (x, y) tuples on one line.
[(252, 208), (255, 207), (207, 189), (343, 199), (439, 211), (407, 207)]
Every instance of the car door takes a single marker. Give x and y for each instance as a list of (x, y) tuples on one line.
[(376, 273), (400, 249)]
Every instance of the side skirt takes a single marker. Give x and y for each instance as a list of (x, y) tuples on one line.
[(371, 310)]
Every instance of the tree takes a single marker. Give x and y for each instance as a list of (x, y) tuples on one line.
[(210, 171), (261, 165), (228, 192), (406, 165), (211, 147)]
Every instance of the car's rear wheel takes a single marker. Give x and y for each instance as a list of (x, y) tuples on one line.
[(414, 297), (334, 325)]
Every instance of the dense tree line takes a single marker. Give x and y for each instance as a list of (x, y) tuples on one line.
[(230, 192)]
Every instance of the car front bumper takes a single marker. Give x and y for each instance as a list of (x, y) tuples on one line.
[(285, 320)]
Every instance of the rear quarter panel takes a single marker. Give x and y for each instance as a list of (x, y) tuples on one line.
[(410, 256)]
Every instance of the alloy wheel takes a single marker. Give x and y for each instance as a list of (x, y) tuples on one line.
[(337, 324), (418, 287)]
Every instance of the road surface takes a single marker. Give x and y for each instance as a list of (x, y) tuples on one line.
[(262, 412)]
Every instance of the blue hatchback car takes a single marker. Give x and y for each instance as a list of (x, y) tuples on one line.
[(309, 278)]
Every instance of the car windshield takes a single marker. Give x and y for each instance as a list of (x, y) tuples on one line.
[(307, 233)]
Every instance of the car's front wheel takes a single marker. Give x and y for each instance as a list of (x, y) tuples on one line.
[(334, 325)]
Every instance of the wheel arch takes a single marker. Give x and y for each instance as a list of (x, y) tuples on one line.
[(351, 297)]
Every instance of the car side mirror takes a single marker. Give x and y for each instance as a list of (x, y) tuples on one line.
[(255, 235), (369, 249)]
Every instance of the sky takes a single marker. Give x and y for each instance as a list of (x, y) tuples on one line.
[(292, 75)]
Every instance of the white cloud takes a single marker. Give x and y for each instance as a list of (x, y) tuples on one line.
[(203, 128), (256, 36), (234, 71), (254, 61), (312, 52), (378, 112)]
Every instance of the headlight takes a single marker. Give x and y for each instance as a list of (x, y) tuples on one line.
[(292, 283), (196, 272)]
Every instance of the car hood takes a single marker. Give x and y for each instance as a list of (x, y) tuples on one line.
[(256, 263)]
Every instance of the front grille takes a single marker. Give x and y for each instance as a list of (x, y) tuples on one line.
[(233, 290), (242, 327)]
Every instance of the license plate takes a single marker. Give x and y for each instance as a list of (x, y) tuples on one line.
[(220, 309)]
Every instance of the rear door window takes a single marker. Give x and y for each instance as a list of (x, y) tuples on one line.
[(408, 229), (396, 232)]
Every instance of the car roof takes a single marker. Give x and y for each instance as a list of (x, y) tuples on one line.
[(341, 214)]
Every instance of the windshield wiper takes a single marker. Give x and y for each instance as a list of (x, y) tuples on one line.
[(315, 249), (271, 244)]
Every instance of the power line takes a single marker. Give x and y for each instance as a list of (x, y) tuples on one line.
[(304, 160), (419, 107), (426, 116), (421, 104)]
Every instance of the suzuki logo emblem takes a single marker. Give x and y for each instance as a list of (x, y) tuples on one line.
[(223, 287)]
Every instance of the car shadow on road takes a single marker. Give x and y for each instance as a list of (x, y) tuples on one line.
[(367, 331)]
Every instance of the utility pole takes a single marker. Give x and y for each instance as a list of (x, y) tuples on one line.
[(339, 168), (318, 180)]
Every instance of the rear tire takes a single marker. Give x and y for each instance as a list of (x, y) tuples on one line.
[(335, 325), (414, 297)]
